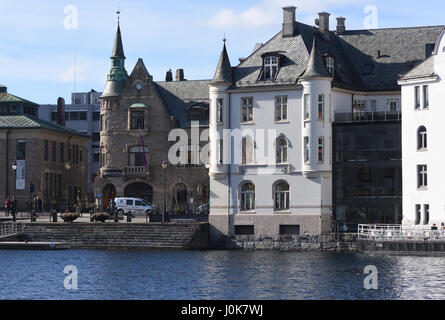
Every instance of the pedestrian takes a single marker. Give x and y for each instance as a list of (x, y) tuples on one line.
[(13, 208), (434, 227), (39, 204), (7, 207), (442, 226)]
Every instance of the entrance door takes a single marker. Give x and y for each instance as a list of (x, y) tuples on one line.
[(139, 190)]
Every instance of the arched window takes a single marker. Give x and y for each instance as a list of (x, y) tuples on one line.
[(247, 197), (247, 150), (281, 148), (281, 196), (422, 138), (270, 68)]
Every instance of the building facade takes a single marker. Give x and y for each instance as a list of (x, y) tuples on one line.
[(295, 87), (40, 150), (422, 132), (82, 115), (137, 117)]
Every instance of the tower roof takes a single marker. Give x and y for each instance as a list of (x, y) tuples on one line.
[(118, 49), (315, 66), (224, 73)]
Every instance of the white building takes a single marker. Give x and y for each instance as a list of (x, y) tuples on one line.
[(422, 132), (294, 87)]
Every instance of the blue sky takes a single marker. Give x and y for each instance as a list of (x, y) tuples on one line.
[(37, 51)]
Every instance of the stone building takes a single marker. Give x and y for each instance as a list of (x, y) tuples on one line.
[(137, 116), (41, 150)]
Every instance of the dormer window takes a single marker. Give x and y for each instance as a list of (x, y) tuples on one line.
[(270, 67), (330, 65)]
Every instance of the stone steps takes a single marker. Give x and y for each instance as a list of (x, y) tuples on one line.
[(108, 235)]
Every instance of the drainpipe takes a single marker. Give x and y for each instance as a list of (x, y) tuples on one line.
[(7, 165)]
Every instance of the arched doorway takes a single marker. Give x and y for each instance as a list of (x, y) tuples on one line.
[(109, 192), (139, 190), (180, 197)]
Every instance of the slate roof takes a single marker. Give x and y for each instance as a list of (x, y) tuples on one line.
[(315, 66), (422, 70), (118, 48), (30, 122), (180, 96), (401, 49), (224, 73)]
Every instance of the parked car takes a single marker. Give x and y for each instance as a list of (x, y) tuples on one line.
[(134, 205)]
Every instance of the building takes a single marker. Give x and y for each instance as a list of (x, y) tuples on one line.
[(82, 115), (137, 115), (295, 87), (40, 150), (422, 132)]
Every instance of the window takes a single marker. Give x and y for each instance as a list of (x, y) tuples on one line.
[(129, 202), (417, 97), (83, 115), (367, 69), (422, 176), (270, 68), (330, 65), (320, 104), (73, 116), (426, 214), (247, 197), (307, 107), (137, 120), (281, 150), (306, 150), (320, 149), (21, 150), (247, 150), (45, 151), (426, 100), (393, 105), (358, 109), (247, 107), (54, 153), (281, 196), (53, 116), (220, 151), (418, 214), (219, 110), (244, 230), (62, 152), (289, 229), (373, 105), (137, 156), (196, 115), (281, 108), (102, 123), (422, 143)]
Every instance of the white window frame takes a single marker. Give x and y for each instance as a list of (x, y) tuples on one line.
[(330, 65), (307, 107), (422, 176), (307, 150), (426, 214), (320, 146), (220, 154), (282, 150), (281, 197), (422, 139), (426, 98), (219, 110), (270, 67), (247, 195), (320, 106), (417, 97), (281, 111), (247, 110), (248, 150), (397, 105)]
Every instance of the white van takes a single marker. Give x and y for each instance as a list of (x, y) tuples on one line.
[(136, 206)]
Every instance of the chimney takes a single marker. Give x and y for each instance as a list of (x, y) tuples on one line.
[(180, 75), (61, 112), (323, 23), (341, 27), (289, 21), (169, 76)]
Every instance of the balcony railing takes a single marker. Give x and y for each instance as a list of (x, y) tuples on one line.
[(398, 233), (136, 172), (361, 116)]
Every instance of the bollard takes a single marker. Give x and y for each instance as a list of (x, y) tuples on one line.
[(54, 214), (129, 216)]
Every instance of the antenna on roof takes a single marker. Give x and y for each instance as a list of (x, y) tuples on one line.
[(75, 73), (224, 40), (118, 12)]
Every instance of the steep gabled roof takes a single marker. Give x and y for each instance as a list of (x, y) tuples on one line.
[(118, 48), (422, 70)]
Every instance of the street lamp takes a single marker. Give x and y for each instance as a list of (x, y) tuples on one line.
[(68, 168), (14, 168), (164, 166)]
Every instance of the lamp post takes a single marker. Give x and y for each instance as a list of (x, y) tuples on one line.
[(164, 166), (208, 186), (14, 201), (14, 168), (68, 168)]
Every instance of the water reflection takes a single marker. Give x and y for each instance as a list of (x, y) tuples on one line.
[(229, 275)]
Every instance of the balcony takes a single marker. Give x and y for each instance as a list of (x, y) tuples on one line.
[(136, 172), (361, 116)]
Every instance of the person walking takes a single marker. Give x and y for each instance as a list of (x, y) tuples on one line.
[(13, 208), (7, 207)]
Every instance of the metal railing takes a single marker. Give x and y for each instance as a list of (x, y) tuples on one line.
[(361, 116), (398, 233), (11, 228)]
